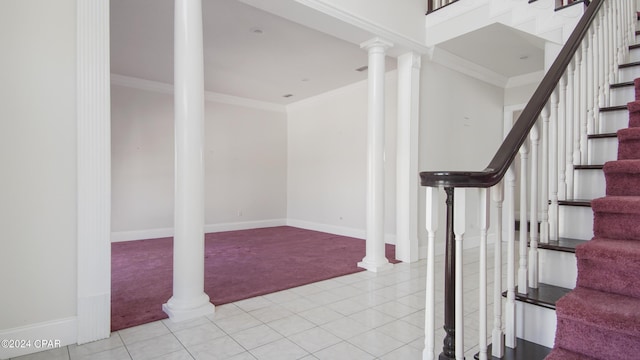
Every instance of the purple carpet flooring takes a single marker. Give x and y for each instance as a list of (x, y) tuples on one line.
[(238, 265), (600, 318)]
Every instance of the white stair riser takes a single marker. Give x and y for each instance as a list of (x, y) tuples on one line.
[(570, 216), (622, 95), (612, 121), (634, 55), (535, 324), (557, 268), (589, 184), (628, 73), (602, 150)]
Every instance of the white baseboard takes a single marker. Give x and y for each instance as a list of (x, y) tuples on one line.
[(244, 225), (337, 230), (38, 337), (168, 232)]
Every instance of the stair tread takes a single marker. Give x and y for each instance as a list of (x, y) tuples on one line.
[(628, 134), (613, 108), (629, 64), (562, 244), (588, 167), (613, 312), (634, 46), (525, 350), (622, 84), (610, 249), (617, 204), (575, 202), (627, 166), (545, 295), (601, 136)]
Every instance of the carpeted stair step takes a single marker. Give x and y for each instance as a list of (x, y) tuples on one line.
[(616, 217), (634, 113), (629, 143), (610, 265), (599, 324), (562, 354), (636, 85), (622, 177)]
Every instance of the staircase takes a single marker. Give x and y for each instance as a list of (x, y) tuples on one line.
[(600, 318), (577, 296)]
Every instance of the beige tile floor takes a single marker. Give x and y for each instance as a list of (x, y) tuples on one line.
[(360, 316)]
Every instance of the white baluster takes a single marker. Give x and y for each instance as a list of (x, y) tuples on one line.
[(553, 166), (573, 129), (484, 225), (510, 308), (432, 206), (580, 147), (611, 49), (544, 176), (570, 116), (601, 60), (534, 139), (563, 140), (591, 86), (522, 269), (459, 228), (497, 336)]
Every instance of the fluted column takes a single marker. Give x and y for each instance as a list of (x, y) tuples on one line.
[(188, 300), (375, 259), (93, 171)]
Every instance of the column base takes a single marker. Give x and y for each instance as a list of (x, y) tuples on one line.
[(375, 266), (183, 313)]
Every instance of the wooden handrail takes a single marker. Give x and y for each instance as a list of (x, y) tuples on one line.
[(507, 152)]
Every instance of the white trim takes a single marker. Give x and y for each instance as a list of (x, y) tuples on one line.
[(467, 67), (337, 230), (120, 236), (526, 79), (93, 141), (373, 28), (164, 88), (244, 225), (61, 332)]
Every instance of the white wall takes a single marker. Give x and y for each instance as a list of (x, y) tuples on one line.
[(245, 163), (38, 156), (327, 147), (461, 121)]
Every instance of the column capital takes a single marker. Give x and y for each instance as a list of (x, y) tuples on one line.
[(376, 42)]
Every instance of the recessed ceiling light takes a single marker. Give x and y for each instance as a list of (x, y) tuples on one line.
[(362, 68), (257, 30), (524, 57), (287, 95), (304, 79)]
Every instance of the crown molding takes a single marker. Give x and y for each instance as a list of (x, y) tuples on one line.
[(466, 67), (526, 79), (371, 27), (164, 88)]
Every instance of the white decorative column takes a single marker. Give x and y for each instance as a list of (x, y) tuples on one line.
[(407, 157), (93, 171), (188, 300), (375, 259)]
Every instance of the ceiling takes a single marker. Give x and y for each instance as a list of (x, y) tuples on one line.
[(248, 52), (254, 54), (501, 49)]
